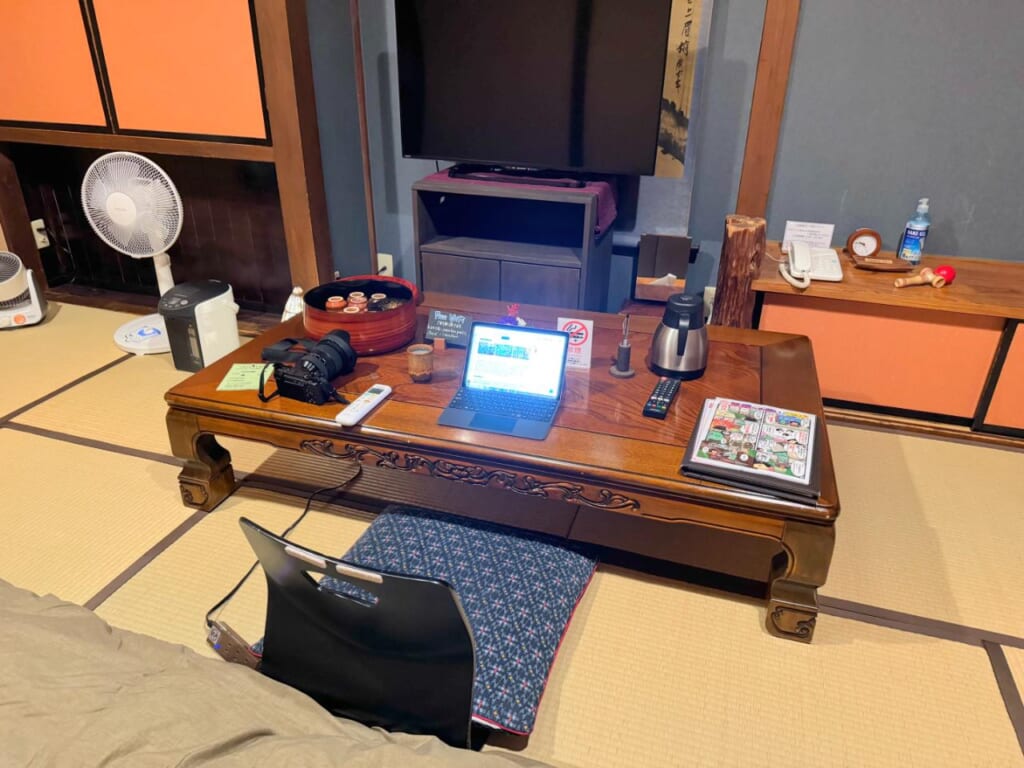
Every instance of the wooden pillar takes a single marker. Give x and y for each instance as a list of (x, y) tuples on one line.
[(14, 222), (288, 85), (742, 250), (777, 38)]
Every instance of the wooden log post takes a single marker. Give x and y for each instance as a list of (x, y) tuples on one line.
[(742, 250)]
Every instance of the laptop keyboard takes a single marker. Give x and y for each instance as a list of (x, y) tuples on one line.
[(505, 404)]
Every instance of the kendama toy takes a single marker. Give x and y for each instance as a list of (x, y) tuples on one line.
[(947, 272), (926, 276)]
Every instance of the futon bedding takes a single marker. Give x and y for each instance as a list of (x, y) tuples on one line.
[(75, 691)]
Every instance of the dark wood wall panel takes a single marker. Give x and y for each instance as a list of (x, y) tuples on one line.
[(232, 227)]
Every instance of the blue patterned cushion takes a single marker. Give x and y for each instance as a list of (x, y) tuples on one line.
[(518, 589)]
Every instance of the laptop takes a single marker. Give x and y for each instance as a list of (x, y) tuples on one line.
[(513, 381)]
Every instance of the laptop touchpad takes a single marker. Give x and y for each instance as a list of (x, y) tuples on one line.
[(493, 423)]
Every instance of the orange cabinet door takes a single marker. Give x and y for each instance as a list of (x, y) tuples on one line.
[(182, 66), (1007, 406), (46, 69), (894, 357)]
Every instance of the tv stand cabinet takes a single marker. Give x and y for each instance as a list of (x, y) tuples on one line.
[(517, 243)]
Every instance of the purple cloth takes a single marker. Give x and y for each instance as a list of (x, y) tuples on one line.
[(607, 208)]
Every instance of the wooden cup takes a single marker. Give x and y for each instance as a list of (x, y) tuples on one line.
[(421, 362)]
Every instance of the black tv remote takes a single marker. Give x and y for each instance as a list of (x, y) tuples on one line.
[(661, 398)]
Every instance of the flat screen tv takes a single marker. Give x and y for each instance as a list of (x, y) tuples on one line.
[(561, 85)]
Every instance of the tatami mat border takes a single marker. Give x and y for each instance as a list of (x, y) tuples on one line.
[(250, 481), (943, 630), (145, 559), (64, 388), (1007, 687), (89, 442)]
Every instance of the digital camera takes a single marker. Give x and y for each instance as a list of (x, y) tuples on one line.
[(309, 379)]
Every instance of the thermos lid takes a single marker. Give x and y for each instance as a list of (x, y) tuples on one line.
[(684, 305)]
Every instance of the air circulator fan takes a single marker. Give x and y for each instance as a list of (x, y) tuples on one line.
[(135, 208)]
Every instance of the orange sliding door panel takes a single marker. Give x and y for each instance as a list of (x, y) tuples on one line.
[(46, 69), (182, 66), (894, 357), (1007, 406)]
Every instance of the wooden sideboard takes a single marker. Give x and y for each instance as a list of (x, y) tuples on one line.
[(950, 354)]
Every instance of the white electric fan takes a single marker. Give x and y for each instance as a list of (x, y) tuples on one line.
[(135, 208)]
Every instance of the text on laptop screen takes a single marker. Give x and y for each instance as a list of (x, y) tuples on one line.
[(510, 359)]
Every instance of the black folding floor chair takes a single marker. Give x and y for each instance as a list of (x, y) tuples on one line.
[(432, 623), (390, 650)]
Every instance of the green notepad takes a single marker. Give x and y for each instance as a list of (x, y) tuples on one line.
[(242, 376)]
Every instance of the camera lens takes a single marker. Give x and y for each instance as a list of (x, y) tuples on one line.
[(335, 353)]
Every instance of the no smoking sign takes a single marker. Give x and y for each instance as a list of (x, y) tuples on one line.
[(581, 335), (578, 332)]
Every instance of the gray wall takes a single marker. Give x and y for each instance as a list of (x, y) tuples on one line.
[(892, 101), (332, 52), (393, 175), (730, 68), (888, 101)]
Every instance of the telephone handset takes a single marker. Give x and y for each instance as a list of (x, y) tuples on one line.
[(806, 264)]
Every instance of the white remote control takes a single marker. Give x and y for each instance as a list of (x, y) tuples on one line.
[(362, 405)]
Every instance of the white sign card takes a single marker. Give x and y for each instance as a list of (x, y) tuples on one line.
[(815, 235), (581, 339)]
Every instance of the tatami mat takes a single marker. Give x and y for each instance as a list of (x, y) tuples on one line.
[(125, 406), (170, 597), (929, 527), (74, 517), (71, 342), (650, 673), (653, 674)]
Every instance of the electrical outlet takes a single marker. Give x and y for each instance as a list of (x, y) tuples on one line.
[(385, 264), (709, 302), (39, 230)]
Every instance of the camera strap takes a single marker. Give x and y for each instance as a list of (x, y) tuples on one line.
[(284, 350), (263, 379)]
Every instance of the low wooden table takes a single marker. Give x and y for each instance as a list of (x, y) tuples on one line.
[(605, 475)]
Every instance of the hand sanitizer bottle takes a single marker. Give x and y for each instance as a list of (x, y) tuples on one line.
[(912, 241)]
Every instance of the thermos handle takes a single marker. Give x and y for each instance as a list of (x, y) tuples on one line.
[(684, 329)]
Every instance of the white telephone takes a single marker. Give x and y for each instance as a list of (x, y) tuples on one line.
[(806, 264)]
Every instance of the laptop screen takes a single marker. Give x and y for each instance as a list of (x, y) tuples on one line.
[(506, 358)]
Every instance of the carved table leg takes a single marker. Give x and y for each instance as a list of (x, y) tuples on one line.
[(793, 592), (207, 477)]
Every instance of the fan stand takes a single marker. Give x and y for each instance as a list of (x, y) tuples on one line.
[(148, 335)]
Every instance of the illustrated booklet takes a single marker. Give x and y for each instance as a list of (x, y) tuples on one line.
[(757, 447)]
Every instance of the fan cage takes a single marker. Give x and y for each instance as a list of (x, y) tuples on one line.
[(14, 287), (10, 266), (154, 222), (17, 302)]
